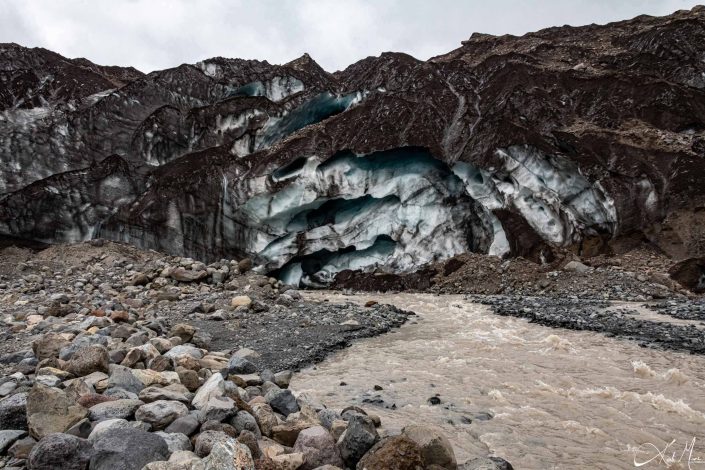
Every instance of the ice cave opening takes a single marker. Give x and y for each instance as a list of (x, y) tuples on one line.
[(399, 209)]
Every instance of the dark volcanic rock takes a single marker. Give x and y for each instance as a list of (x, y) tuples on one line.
[(60, 451), (127, 449)]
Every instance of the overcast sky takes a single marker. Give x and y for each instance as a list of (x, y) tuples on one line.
[(157, 34)]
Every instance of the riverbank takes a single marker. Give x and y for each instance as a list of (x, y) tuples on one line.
[(117, 358)]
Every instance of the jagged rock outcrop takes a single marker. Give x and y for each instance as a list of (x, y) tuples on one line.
[(570, 136)]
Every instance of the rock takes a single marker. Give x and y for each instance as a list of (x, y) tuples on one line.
[(229, 455), (127, 449), (175, 441), (8, 437), (123, 408), (81, 429), (122, 378), (92, 399), (187, 275), (206, 440), (183, 331), (90, 359), (393, 453), (21, 448), (244, 265), (184, 350), (13, 412), (152, 377), (49, 345), (576, 266), (50, 410), (217, 409), (286, 433), (318, 448), (103, 426), (161, 413), (357, 439), (154, 393), (337, 428), (244, 421), (266, 419), (291, 461), (435, 447), (189, 379), (214, 387), (240, 301), (283, 378), (282, 401), (239, 365), (185, 460), (486, 463), (60, 451), (188, 425)]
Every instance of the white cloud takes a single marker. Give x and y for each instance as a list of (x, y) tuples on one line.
[(156, 34)]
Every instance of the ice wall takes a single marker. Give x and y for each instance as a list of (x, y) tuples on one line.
[(400, 208)]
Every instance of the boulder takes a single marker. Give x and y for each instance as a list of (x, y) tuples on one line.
[(153, 393), (21, 448), (187, 275), (183, 331), (8, 437), (240, 301), (62, 451), (123, 408), (393, 453), (90, 359), (13, 412), (161, 413), (122, 377), (357, 439), (214, 387), (576, 267), (229, 455), (217, 409), (244, 421), (127, 449), (188, 425), (50, 410), (205, 441), (239, 365), (103, 426), (175, 441), (266, 419), (49, 345), (282, 401), (318, 448), (184, 350), (435, 447)]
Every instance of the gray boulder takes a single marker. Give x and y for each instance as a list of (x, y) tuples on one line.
[(282, 401), (161, 413), (127, 449), (357, 439), (13, 411), (62, 451)]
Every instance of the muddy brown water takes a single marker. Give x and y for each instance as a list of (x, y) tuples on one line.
[(560, 398)]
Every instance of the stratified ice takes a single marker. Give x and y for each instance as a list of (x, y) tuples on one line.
[(400, 209)]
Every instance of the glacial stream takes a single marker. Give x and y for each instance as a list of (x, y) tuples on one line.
[(559, 398)]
